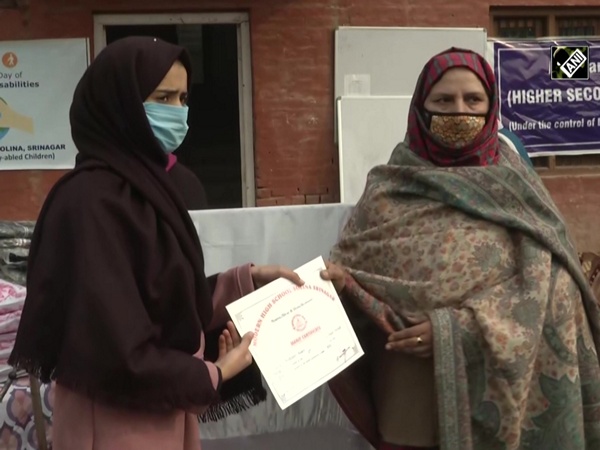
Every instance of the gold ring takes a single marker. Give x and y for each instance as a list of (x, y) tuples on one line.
[(419, 340)]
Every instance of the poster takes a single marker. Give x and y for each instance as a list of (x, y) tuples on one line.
[(37, 81), (550, 93)]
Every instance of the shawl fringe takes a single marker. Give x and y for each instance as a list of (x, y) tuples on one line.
[(235, 405)]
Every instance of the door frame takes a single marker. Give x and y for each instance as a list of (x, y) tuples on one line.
[(244, 57)]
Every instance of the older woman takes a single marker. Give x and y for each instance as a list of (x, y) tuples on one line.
[(481, 330)]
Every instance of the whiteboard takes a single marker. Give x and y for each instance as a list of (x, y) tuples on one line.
[(388, 61), (369, 128)]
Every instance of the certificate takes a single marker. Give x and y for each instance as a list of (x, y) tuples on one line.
[(302, 335)]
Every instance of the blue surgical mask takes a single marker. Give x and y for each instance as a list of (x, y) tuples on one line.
[(168, 123)]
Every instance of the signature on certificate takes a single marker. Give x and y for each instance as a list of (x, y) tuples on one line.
[(344, 354)]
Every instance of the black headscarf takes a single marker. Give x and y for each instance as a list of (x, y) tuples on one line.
[(117, 297)]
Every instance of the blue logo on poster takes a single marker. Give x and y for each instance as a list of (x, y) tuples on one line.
[(10, 119), (3, 131)]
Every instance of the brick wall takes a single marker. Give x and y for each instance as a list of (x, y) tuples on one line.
[(292, 45)]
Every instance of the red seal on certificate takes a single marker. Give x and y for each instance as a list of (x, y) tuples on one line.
[(298, 322)]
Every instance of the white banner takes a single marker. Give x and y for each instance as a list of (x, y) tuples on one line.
[(37, 81)]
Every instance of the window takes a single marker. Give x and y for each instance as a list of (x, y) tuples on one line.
[(578, 26), (530, 22), (517, 28), (519, 23)]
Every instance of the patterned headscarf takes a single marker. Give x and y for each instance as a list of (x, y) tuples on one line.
[(484, 149)]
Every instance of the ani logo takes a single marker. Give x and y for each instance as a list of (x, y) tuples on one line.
[(570, 63)]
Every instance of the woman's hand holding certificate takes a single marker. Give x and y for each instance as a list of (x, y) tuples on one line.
[(301, 334)]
